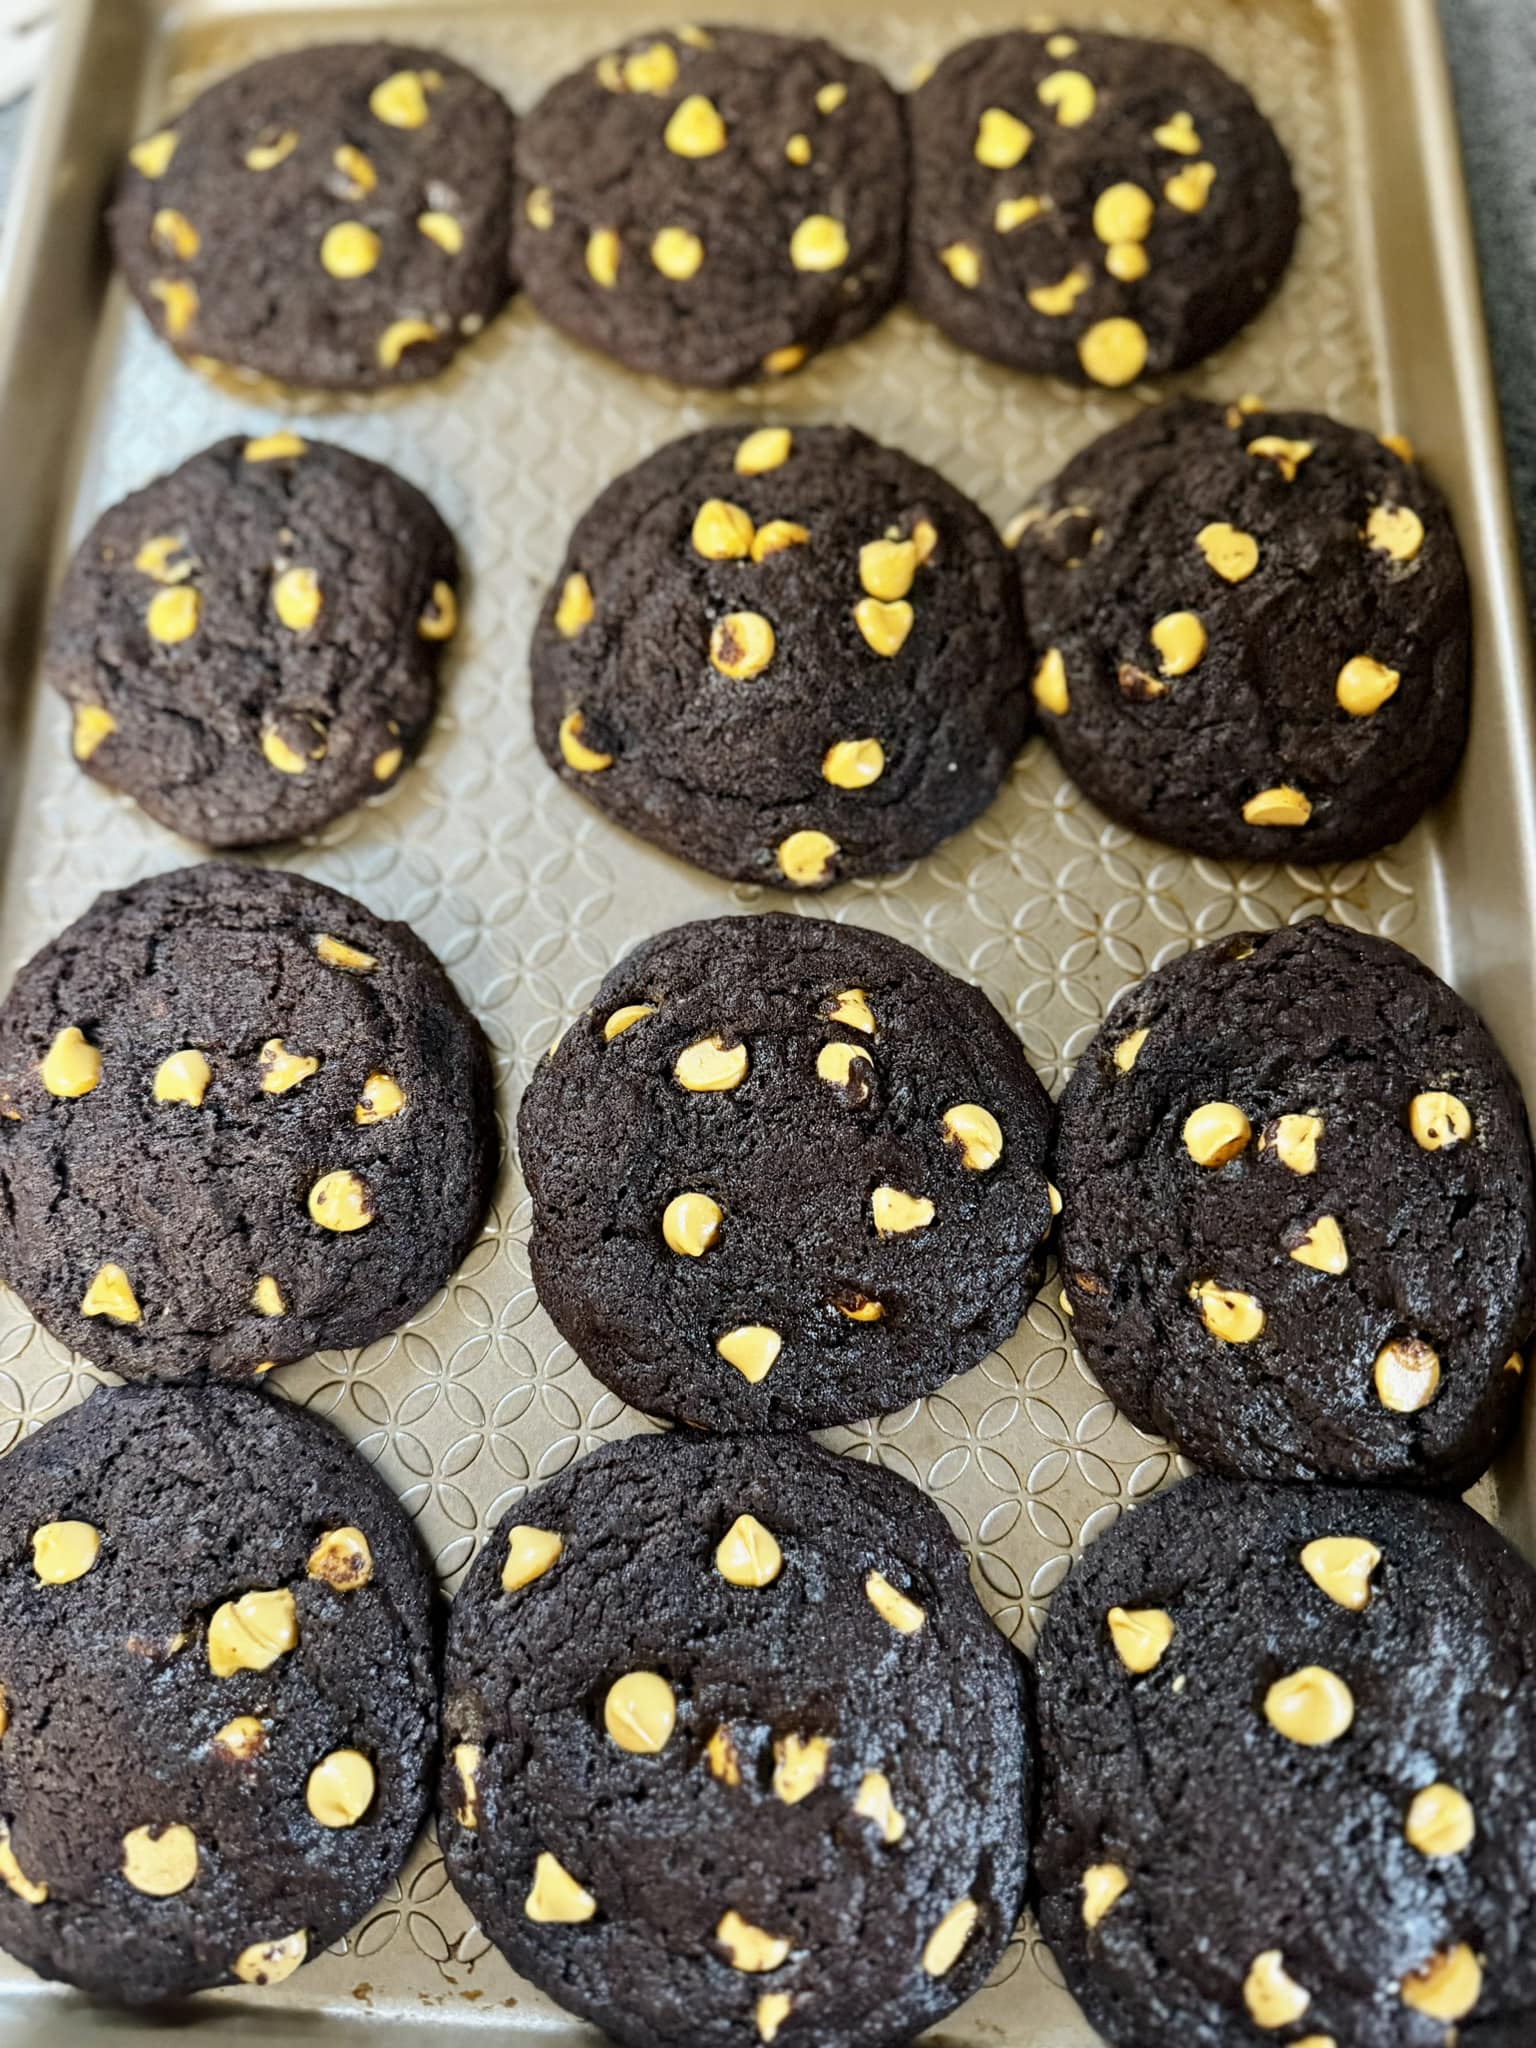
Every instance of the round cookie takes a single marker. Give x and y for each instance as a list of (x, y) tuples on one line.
[(219, 1694), (338, 216), (1251, 631), (1288, 1762), (713, 205), (1093, 206), (1297, 1234), (241, 1119), (250, 645), (789, 656), (732, 1752), (785, 1173)]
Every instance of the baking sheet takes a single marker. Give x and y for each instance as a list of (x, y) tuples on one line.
[(528, 896)]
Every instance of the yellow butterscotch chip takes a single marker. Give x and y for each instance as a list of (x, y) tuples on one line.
[(1071, 94), (1365, 684), (677, 253), (340, 1788), (183, 1077), (850, 1006), (111, 1294), (1127, 261), (151, 158), (775, 535), (5, 1713), (93, 724), (748, 1948), (820, 242), (71, 1067), (853, 764), (894, 1607), (1179, 134), (798, 149), (466, 1762), (388, 763), (773, 2008), (766, 449), (1287, 456), (341, 1202), (1284, 804), (1057, 300), (172, 615), (977, 1133), (251, 1633), (273, 447), (269, 1962), (752, 1348), (897, 1214), (1180, 640), (1341, 1566), (800, 1766), (160, 1861), (1190, 189), (443, 229), (64, 1551), (1233, 554), (1440, 1821), (440, 619), (652, 70), (342, 1559), (1407, 1375), (885, 627), (626, 1018), (830, 97), (281, 1069), (640, 1712), (610, 71), (555, 1898), (691, 1224), (963, 262), (1053, 1196), (1009, 214), (30, 1891), (1438, 1120), (1123, 213), (1321, 1246), (806, 857), (401, 335), (1294, 1141), (382, 1098), (285, 758), (180, 300), (349, 249), (356, 168), (576, 607), (1215, 1133), (709, 1066), (887, 567), (723, 1757), (1234, 1317), (266, 156), (400, 101), (741, 645), (164, 557), (174, 234), (1128, 1051), (1396, 531), (1002, 139), (1141, 1636), (241, 1739), (1271, 1994), (946, 1944), (1515, 1363), (297, 598), (748, 1554), (874, 1801), (695, 128), (1103, 1884), (722, 532), (539, 208), (531, 1552), (574, 750), (860, 1309), (1400, 446), (1447, 1987), (846, 1066), (1113, 352), (780, 361), (1312, 1707)]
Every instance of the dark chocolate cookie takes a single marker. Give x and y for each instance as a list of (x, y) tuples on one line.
[(733, 1753), (241, 1119), (337, 216), (785, 1173), (1298, 1225), (250, 645), (1251, 631), (1093, 206), (1288, 1744), (790, 656), (217, 1691), (713, 205)]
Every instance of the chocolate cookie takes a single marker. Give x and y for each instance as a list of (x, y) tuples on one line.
[(785, 1173), (241, 1119), (790, 656), (713, 205), (337, 216), (1093, 206), (1251, 631), (1289, 1760), (1298, 1225), (250, 645), (733, 1753), (219, 1697)]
